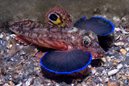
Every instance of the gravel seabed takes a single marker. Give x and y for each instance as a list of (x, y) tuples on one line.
[(19, 66)]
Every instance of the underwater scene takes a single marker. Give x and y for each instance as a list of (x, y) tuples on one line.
[(64, 43)]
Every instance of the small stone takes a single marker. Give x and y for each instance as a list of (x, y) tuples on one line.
[(113, 83), (48, 84), (116, 19), (117, 29), (7, 38), (112, 72), (119, 43), (22, 52), (116, 61), (57, 84), (123, 51), (83, 84), (126, 61), (28, 82), (13, 35), (38, 54), (126, 81), (127, 48), (9, 45), (106, 79), (19, 84), (93, 70), (20, 46), (1, 35), (127, 55), (6, 84), (79, 84), (73, 30), (72, 84), (100, 84), (11, 83), (3, 43), (119, 66), (104, 59)]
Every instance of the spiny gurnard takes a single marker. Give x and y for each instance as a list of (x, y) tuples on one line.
[(74, 44)]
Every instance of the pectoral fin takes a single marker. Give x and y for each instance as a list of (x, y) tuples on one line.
[(99, 25), (65, 62)]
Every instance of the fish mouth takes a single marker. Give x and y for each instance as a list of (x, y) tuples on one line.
[(97, 51)]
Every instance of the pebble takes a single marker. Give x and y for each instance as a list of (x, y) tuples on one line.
[(73, 30), (119, 44), (116, 19), (112, 72), (6, 84), (113, 83), (119, 66), (3, 43), (1, 35), (7, 38), (117, 29), (28, 82), (101, 75), (83, 84), (11, 83), (12, 35), (93, 70), (126, 82), (57, 84), (19, 84), (22, 52), (9, 46), (106, 79), (104, 59), (127, 48), (123, 51)]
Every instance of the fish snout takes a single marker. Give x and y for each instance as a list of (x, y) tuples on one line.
[(98, 51)]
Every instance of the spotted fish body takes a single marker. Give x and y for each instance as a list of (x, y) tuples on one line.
[(64, 39), (74, 45)]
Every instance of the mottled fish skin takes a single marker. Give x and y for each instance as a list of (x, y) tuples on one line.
[(60, 39), (35, 33)]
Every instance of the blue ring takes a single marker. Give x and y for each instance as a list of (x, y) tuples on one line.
[(108, 21), (78, 70)]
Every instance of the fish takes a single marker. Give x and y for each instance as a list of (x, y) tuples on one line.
[(74, 46)]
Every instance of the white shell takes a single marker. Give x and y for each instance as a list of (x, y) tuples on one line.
[(119, 66), (112, 72)]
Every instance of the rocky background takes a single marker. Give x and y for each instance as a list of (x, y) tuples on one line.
[(19, 66)]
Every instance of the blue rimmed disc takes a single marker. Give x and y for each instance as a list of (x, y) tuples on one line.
[(65, 62), (99, 25)]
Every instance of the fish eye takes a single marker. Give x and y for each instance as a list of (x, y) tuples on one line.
[(53, 17), (86, 40)]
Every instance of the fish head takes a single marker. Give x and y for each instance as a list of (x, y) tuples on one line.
[(90, 43), (60, 39)]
